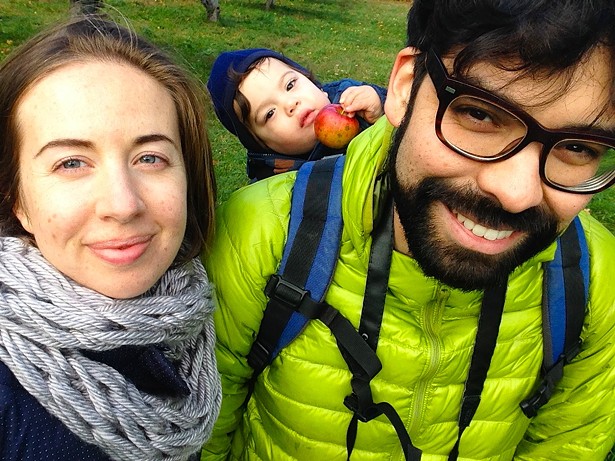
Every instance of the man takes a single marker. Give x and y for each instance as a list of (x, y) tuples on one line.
[(499, 127)]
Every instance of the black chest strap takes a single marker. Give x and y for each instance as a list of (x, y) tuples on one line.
[(486, 338), (361, 400)]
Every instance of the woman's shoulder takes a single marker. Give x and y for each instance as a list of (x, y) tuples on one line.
[(31, 433)]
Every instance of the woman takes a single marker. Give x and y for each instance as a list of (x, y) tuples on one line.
[(107, 195)]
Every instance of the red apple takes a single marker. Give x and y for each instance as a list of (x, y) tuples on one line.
[(334, 128)]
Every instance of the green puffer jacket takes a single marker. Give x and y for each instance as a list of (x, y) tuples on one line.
[(425, 345)]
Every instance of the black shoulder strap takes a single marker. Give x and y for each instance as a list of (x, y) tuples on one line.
[(361, 401), (489, 321), (296, 293)]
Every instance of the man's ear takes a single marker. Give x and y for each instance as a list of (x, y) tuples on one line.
[(400, 85)]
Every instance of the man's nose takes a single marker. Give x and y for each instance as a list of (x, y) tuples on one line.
[(514, 182)]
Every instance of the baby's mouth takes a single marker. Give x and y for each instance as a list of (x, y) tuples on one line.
[(307, 118)]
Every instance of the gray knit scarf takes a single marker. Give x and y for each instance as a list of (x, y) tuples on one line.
[(46, 319)]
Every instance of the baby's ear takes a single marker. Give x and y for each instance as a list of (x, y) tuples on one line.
[(400, 85)]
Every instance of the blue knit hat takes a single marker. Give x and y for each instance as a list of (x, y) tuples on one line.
[(223, 90)]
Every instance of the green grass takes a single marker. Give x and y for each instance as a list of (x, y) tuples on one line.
[(334, 38)]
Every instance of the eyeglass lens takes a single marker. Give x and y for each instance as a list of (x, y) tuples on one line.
[(483, 129)]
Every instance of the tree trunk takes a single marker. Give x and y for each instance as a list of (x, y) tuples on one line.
[(87, 6), (213, 9), (269, 4)]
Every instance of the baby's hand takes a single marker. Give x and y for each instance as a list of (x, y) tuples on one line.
[(363, 101)]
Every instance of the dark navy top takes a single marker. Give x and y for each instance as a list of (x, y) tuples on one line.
[(28, 432)]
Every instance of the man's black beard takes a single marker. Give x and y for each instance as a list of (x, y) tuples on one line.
[(449, 262)]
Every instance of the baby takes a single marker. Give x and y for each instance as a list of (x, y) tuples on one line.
[(270, 102)]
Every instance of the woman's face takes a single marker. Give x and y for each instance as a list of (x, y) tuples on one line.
[(102, 178)]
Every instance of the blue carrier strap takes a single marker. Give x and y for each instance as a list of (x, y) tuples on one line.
[(565, 295), (296, 292)]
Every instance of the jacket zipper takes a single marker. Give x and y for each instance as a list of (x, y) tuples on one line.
[(433, 318)]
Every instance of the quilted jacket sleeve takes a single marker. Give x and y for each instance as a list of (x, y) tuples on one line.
[(578, 423), (252, 222)]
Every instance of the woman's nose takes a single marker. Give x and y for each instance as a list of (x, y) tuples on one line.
[(118, 197)]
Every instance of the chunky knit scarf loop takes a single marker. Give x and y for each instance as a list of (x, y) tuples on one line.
[(47, 321)]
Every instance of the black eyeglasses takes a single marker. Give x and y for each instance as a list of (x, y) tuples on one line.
[(483, 127)]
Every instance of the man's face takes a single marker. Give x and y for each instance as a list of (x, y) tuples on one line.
[(467, 223)]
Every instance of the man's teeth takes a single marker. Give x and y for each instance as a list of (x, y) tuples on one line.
[(482, 231)]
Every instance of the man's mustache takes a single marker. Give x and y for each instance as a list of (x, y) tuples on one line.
[(482, 209)]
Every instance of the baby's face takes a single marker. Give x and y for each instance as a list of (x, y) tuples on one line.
[(284, 103)]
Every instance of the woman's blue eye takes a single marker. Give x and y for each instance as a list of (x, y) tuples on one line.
[(71, 164), (148, 158)]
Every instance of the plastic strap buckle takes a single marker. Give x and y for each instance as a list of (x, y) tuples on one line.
[(531, 405), (284, 292), (363, 414)]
